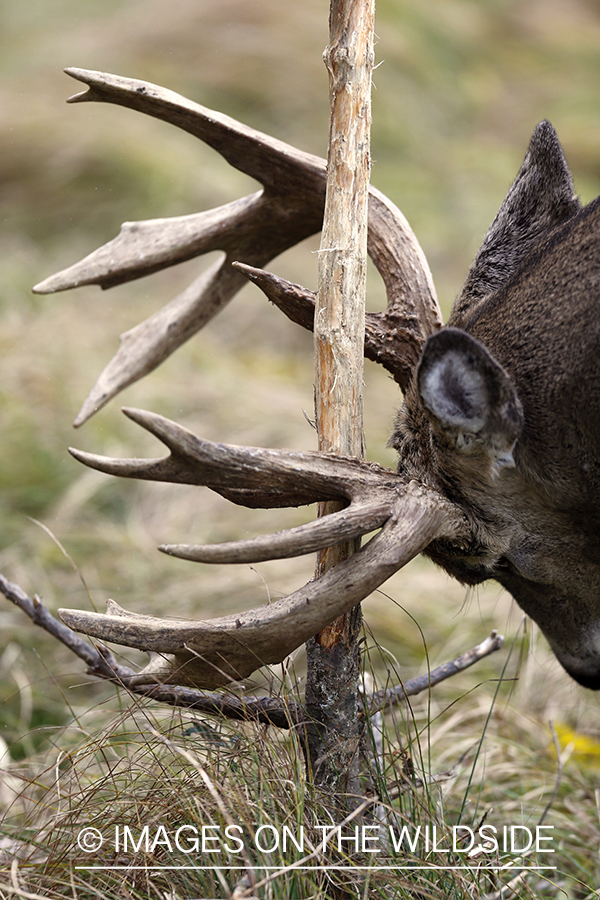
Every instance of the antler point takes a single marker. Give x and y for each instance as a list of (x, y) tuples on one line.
[(76, 72), (91, 406), (143, 417), (87, 76), (244, 268), (50, 285)]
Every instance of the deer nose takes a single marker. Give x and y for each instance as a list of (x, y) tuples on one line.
[(585, 678), (586, 670), (578, 651)]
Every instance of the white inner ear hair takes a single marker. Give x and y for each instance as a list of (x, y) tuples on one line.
[(455, 393)]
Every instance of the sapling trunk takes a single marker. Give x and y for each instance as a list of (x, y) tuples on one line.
[(333, 657)]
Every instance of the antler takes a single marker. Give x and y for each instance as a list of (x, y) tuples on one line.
[(212, 653), (249, 476), (254, 229)]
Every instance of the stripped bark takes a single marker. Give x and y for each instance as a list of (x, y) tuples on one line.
[(333, 657)]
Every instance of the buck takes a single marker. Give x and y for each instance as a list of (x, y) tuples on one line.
[(503, 414), (498, 438)]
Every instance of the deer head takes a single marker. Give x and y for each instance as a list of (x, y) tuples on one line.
[(498, 438), (503, 415)]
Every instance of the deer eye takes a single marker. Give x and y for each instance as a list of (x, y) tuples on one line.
[(455, 549)]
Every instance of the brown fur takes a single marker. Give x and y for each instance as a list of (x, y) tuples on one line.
[(503, 413)]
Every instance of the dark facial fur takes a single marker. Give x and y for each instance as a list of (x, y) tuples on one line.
[(503, 413)]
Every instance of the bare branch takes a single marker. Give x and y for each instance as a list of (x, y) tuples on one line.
[(253, 229), (332, 653), (401, 692), (39, 615), (285, 713)]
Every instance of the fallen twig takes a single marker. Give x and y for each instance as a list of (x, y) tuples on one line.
[(283, 713), (401, 692)]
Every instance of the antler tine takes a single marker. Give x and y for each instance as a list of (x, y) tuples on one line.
[(258, 225), (354, 521), (142, 248), (212, 653), (144, 347), (393, 338), (255, 228), (250, 476), (297, 302), (259, 155), (398, 354)]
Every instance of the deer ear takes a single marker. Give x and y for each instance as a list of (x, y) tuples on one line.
[(469, 398), (541, 198)]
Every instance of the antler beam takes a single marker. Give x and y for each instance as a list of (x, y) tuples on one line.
[(253, 229), (213, 653), (249, 476)]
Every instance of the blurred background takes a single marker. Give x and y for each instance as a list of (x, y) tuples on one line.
[(458, 89)]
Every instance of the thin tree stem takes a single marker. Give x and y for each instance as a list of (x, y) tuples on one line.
[(339, 322)]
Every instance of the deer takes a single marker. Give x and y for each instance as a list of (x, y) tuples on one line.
[(498, 436)]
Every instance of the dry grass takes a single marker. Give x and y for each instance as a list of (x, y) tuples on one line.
[(460, 89), (146, 771)]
